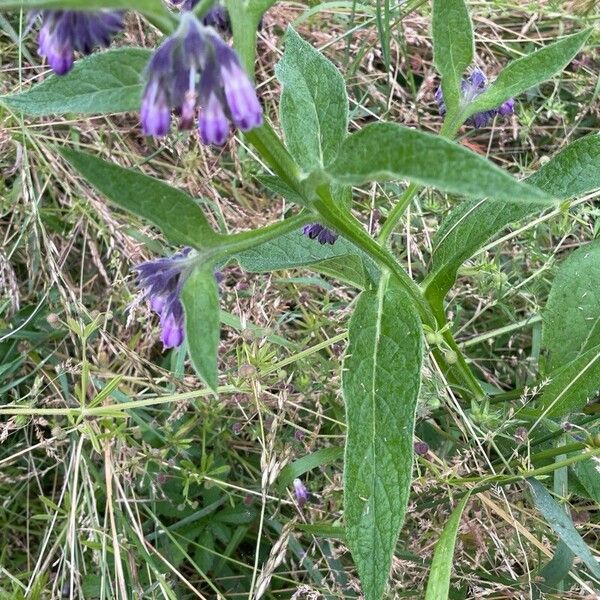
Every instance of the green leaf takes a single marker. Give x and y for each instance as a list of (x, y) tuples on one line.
[(438, 584), (102, 83), (311, 461), (572, 312), (295, 250), (380, 380), (468, 228), (572, 172), (386, 151), (572, 386), (557, 569), (524, 73), (314, 104), (171, 210), (561, 523), (588, 474), (452, 47), (200, 298)]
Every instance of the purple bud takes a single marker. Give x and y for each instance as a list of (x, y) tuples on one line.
[(507, 108), (421, 448), (300, 492), (316, 231), (472, 87)]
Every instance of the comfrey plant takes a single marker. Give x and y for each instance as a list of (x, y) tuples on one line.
[(64, 32), (398, 324)]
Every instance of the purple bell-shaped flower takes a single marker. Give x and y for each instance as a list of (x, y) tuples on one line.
[(65, 32)]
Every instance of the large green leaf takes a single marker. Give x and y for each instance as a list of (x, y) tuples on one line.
[(572, 172), (105, 82), (386, 151), (589, 477), (561, 523), (452, 47), (381, 380), (438, 584), (573, 310), (200, 298), (523, 74), (292, 250), (571, 387), (314, 104), (469, 227), (173, 211)]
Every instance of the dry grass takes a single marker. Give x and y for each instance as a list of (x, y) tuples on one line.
[(112, 505)]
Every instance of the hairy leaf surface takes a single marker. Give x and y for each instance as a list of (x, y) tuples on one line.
[(570, 319), (200, 298), (573, 385), (572, 172), (314, 104), (380, 380), (102, 83), (171, 210), (294, 249), (386, 151), (452, 47), (524, 73), (561, 523)]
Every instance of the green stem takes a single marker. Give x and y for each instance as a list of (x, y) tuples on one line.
[(396, 213), (502, 480), (203, 7), (275, 154), (351, 228), (246, 240)]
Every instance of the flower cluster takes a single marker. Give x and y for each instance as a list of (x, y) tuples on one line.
[(65, 32), (472, 87), (195, 72), (316, 231), (162, 281)]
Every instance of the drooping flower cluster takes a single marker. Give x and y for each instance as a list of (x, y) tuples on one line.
[(316, 231), (195, 72), (162, 281), (472, 87), (65, 32)]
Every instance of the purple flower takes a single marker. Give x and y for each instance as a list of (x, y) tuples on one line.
[(472, 87), (195, 72), (65, 32), (162, 281), (300, 492), (316, 231)]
